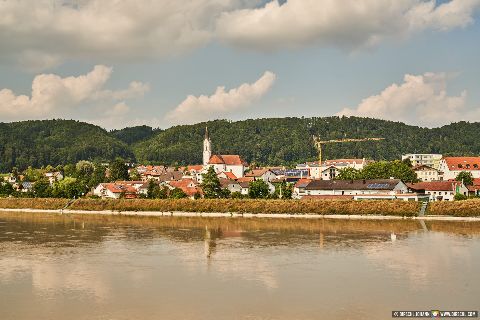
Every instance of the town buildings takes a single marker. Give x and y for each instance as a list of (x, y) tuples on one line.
[(329, 169), (424, 159)]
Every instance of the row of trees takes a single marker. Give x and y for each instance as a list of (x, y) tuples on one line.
[(380, 170)]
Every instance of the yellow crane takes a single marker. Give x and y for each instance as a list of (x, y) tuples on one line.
[(318, 144)]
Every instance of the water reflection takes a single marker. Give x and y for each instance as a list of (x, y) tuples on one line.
[(90, 267)]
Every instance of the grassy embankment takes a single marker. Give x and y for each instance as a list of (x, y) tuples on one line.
[(392, 208), (465, 208)]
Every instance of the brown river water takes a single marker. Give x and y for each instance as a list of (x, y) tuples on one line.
[(90, 267)]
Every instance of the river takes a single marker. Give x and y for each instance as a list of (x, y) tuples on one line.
[(88, 267)]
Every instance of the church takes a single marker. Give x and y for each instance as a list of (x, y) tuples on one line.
[(222, 163)]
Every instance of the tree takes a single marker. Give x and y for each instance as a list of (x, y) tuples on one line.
[(6, 189), (387, 169), (177, 193), (42, 189), (466, 177), (349, 174), (258, 189), (118, 170), (211, 184), (134, 175), (459, 197), (84, 169)]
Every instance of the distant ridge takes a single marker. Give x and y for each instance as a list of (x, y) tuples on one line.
[(275, 141)]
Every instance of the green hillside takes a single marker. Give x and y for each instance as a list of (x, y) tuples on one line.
[(43, 142), (289, 140), (262, 141)]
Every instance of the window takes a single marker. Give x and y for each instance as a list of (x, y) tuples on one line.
[(460, 166), (475, 166), (468, 166)]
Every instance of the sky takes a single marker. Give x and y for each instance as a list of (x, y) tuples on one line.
[(164, 63)]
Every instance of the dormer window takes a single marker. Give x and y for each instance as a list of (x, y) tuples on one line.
[(475, 166), (460, 165), (468, 166)]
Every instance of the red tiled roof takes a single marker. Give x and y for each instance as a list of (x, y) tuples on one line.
[(228, 159), (434, 185), (256, 172), (230, 175), (196, 167), (476, 182), (189, 186), (463, 163), (119, 188), (245, 179), (302, 183)]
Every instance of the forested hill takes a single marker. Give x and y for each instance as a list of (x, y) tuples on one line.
[(263, 141), (39, 143), (289, 140)]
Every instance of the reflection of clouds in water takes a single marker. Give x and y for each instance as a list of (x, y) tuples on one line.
[(423, 261), (53, 278)]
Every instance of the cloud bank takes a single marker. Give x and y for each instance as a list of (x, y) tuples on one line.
[(420, 99), (195, 109), (54, 96), (43, 33), (348, 24)]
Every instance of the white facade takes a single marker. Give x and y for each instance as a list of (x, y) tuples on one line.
[(207, 148), (424, 159), (452, 166), (330, 168), (425, 173)]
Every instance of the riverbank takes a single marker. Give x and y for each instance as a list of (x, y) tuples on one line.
[(220, 207), (459, 210)]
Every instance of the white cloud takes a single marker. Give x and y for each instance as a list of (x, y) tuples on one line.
[(348, 24), (43, 32), (54, 96), (420, 99), (194, 109)]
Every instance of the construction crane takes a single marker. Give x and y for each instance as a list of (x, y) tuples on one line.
[(318, 144)]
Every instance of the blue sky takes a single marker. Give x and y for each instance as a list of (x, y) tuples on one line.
[(273, 60)]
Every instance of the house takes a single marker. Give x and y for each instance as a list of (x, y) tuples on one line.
[(355, 187), (452, 166), (53, 176), (231, 185), (24, 186), (329, 169), (227, 175), (261, 174), (189, 186), (291, 175), (115, 191), (222, 162), (299, 188), (439, 190), (424, 159), (426, 173)]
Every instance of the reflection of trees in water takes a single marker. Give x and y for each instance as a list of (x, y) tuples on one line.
[(76, 229)]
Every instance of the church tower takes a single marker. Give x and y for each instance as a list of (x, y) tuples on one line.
[(207, 148)]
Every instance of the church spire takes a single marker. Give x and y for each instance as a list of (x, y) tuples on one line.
[(207, 148)]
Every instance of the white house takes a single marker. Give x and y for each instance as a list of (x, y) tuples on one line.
[(54, 176), (355, 187), (261, 174), (299, 188), (426, 173), (440, 190), (424, 159), (115, 191), (330, 168), (452, 166)]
